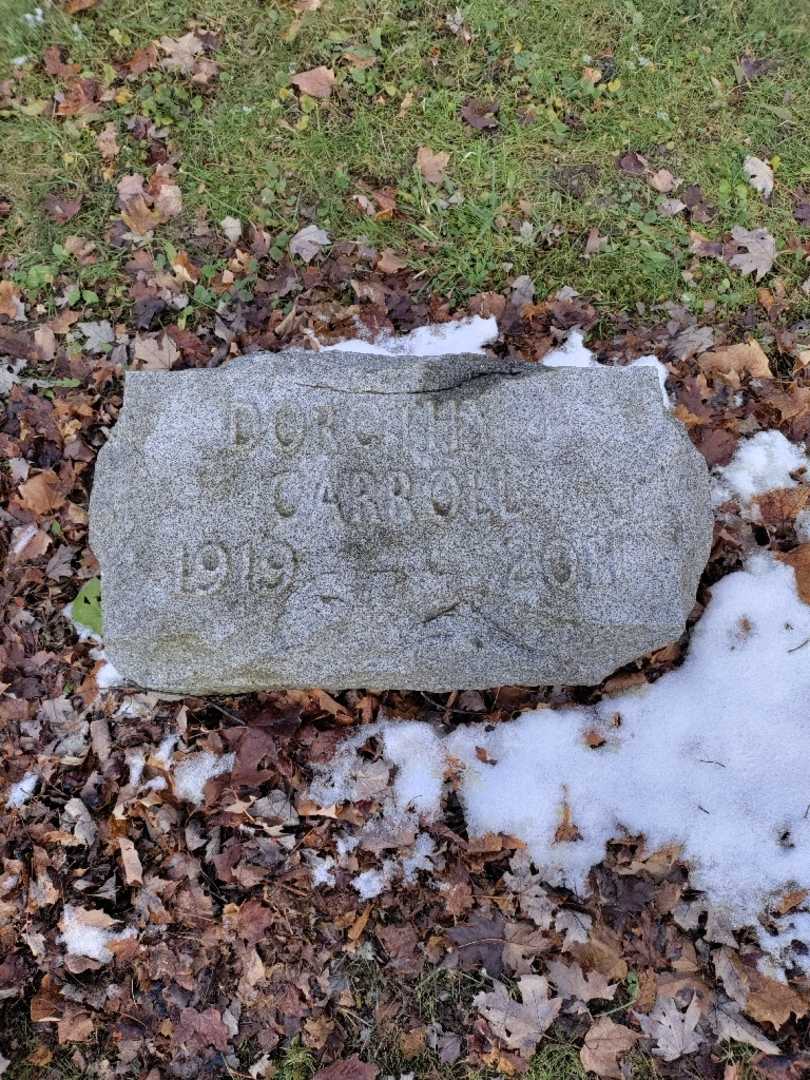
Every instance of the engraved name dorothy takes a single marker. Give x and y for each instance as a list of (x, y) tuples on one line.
[(428, 425)]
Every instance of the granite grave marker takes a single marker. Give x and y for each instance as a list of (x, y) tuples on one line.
[(350, 520)]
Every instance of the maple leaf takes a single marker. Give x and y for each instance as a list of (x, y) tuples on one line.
[(760, 175), (317, 82), (758, 251), (137, 216), (154, 352), (181, 53), (349, 1069), (481, 115), (60, 208), (432, 165), (308, 242), (571, 982), (604, 1044), (520, 1025), (674, 1032)]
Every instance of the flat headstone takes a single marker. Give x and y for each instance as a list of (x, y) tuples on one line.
[(347, 520)]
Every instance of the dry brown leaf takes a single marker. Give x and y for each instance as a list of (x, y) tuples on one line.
[(316, 83), (732, 361), (10, 305), (673, 1031), (137, 216), (155, 352), (756, 251), (432, 165), (107, 142), (772, 1001), (572, 982), (567, 832), (799, 559), (605, 1043), (781, 506), (41, 494), (389, 262), (662, 181), (520, 1025), (133, 871)]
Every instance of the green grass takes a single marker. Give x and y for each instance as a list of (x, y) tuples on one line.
[(250, 147)]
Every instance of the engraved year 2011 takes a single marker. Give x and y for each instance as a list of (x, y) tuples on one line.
[(263, 566)]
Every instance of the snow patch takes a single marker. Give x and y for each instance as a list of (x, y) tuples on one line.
[(439, 339), (84, 934), (194, 772), (760, 464), (574, 353), (372, 882), (21, 792), (714, 756)]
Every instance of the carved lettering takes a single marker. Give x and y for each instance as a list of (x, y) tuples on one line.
[(262, 566)]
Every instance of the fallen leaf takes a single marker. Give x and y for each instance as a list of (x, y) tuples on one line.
[(308, 242), (594, 243), (605, 1042), (154, 352), (520, 1025), (133, 871), (232, 227), (42, 493), (760, 175), (729, 1023), (316, 83), (389, 262), (60, 208), (432, 165), (350, 1069), (571, 982), (632, 163), (799, 560), (732, 361), (107, 142), (674, 1032), (481, 115), (137, 216), (662, 181), (10, 304), (757, 254), (181, 53)]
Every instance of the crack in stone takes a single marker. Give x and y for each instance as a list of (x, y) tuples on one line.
[(398, 393)]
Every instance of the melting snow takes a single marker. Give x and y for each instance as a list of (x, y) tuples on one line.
[(458, 336), (194, 772), (760, 464), (84, 933), (21, 792), (714, 756)]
